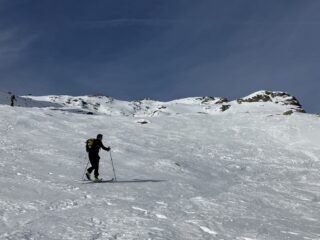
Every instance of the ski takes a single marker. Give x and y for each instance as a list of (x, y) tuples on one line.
[(100, 181)]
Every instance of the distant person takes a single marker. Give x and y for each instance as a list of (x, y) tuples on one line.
[(13, 99), (93, 147)]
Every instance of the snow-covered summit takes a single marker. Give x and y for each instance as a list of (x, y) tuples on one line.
[(281, 98)]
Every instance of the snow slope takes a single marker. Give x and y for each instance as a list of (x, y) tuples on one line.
[(240, 174), (25, 101)]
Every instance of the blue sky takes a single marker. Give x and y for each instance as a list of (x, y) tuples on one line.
[(161, 49)]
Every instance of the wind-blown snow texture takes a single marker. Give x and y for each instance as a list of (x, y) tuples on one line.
[(190, 172)]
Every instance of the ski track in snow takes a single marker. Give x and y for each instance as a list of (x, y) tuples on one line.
[(231, 176)]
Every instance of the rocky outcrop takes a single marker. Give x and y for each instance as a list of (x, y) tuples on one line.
[(282, 98), (210, 100), (225, 107)]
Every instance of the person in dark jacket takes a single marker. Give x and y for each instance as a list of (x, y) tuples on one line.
[(13, 98), (94, 157)]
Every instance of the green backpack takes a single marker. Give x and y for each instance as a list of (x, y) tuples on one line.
[(89, 144)]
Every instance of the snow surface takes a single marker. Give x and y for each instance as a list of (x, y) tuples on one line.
[(248, 173), (25, 101)]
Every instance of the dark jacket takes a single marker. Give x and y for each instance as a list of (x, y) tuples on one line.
[(97, 144)]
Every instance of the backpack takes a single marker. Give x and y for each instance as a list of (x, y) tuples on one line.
[(89, 144)]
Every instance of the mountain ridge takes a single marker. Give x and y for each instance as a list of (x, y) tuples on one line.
[(260, 101)]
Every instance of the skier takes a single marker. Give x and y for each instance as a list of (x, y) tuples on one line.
[(93, 149), (13, 98)]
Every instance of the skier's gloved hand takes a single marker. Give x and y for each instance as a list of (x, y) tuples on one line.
[(108, 149)]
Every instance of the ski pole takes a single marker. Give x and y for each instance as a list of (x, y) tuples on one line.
[(114, 173), (85, 171)]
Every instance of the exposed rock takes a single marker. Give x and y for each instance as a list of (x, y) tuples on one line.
[(282, 98), (224, 107), (142, 121), (206, 100), (222, 100), (288, 112), (257, 98)]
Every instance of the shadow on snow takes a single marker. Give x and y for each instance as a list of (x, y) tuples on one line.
[(129, 181)]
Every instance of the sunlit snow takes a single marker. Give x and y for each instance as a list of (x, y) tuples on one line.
[(185, 170)]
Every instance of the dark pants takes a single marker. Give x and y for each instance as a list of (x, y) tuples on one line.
[(94, 160)]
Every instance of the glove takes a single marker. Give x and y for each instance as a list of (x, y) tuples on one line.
[(108, 149)]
